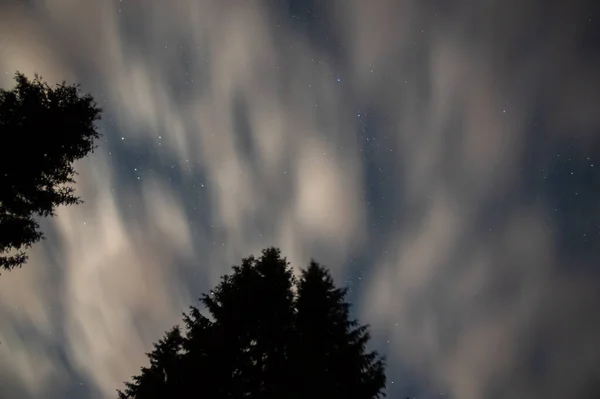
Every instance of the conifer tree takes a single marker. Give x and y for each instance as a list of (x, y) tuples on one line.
[(330, 351), (263, 341), (43, 130)]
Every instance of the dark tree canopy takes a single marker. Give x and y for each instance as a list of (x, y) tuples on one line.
[(43, 130), (268, 336)]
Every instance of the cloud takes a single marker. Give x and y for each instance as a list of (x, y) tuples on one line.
[(118, 262), (226, 130), (464, 291)]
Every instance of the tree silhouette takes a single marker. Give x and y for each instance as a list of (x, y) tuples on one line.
[(268, 336), (330, 353), (43, 130)]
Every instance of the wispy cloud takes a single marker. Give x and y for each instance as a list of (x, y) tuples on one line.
[(227, 128)]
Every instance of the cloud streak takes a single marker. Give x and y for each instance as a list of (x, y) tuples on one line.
[(406, 137)]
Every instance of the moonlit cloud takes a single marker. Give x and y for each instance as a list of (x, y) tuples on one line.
[(232, 126)]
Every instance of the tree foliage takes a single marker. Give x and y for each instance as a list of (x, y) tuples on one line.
[(43, 130), (268, 335)]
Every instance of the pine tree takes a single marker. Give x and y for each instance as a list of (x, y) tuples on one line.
[(154, 382), (262, 341), (43, 130), (195, 362), (253, 309), (330, 351)]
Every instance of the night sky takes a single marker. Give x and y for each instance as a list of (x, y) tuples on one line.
[(442, 158)]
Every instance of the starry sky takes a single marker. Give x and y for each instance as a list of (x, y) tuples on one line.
[(442, 158)]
